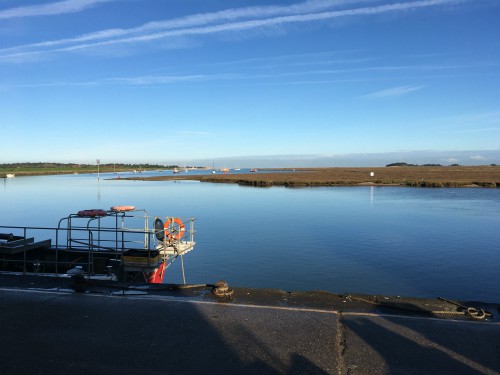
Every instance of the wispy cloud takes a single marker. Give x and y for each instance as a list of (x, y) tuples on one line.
[(489, 117), (254, 79), (230, 20), (194, 20), (471, 122), (153, 80), (393, 91), (477, 130), (131, 81), (50, 9), (477, 157), (194, 133)]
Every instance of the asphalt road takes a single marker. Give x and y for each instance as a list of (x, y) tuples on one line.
[(50, 331)]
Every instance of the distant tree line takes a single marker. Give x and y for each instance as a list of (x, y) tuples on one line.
[(75, 165), (64, 167), (401, 164)]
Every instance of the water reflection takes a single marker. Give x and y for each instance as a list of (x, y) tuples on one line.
[(98, 190)]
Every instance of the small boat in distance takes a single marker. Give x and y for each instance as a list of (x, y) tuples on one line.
[(253, 170), (10, 175), (225, 170)]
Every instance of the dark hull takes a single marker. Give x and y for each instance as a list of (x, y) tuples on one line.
[(28, 256)]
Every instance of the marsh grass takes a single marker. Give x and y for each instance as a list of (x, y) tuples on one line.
[(415, 176)]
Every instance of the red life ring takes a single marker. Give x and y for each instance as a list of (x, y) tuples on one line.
[(176, 226), (96, 212), (122, 208)]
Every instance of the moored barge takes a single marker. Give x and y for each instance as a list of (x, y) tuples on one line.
[(122, 243)]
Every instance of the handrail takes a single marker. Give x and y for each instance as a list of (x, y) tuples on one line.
[(90, 239)]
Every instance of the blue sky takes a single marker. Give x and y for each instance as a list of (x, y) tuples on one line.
[(240, 83)]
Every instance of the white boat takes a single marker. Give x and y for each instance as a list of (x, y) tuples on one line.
[(10, 175)]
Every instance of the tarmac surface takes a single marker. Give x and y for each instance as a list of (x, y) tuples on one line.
[(110, 328)]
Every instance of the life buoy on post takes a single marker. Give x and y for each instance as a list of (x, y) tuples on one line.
[(174, 228)]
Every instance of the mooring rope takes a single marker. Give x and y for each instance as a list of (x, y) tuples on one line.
[(470, 312)]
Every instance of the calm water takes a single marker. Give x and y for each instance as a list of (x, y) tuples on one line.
[(376, 240)]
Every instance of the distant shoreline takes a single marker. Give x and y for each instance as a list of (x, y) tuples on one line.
[(414, 176), (411, 176), (48, 169)]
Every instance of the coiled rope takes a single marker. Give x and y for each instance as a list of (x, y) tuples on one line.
[(469, 312)]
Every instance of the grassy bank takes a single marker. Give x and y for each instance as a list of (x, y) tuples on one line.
[(453, 176), (40, 169)]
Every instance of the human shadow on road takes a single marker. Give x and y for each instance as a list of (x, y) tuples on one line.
[(48, 333)]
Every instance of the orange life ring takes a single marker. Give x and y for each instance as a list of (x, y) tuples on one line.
[(178, 232), (96, 212), (122, 208)]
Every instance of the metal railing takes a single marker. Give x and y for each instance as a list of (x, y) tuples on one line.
[(87, 244)]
